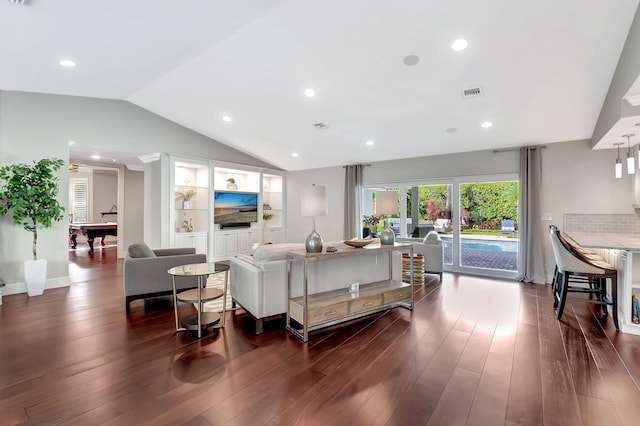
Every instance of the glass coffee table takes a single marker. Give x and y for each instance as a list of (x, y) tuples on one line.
[(199, 295)]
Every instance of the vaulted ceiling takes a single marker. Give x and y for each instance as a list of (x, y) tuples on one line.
[(382, 71)]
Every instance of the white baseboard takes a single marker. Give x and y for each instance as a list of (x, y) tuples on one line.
[(17, 288)]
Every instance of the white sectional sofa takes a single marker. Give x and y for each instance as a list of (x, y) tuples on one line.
[(259, 281)]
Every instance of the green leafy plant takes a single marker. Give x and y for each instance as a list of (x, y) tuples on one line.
[(267, 216), (185, 196), (231, 180), (29, 192)]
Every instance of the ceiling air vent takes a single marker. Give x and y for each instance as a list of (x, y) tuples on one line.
[(474, 92), (320, 126), (20, 2)]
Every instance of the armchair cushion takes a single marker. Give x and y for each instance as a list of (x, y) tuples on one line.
[(146, 277), (432, 238), (140, 250)]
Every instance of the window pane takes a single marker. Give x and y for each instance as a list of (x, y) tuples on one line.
[(79, 199)]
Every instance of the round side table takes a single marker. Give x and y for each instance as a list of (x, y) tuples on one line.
[(199, 295)]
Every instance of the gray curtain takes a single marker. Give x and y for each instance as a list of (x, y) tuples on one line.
[(530, 225), (353, 201)]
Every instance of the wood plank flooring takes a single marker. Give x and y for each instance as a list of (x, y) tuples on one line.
[(474, 351)]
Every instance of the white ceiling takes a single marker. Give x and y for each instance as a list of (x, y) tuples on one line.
[(544, 68)]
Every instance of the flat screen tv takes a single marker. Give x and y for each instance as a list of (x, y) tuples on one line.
[(235, 208)]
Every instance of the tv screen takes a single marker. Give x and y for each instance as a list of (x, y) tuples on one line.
[(235, 207)]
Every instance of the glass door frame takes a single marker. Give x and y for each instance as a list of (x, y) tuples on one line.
[(455, 219)]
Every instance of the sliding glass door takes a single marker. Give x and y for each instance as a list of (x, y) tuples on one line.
[(476, 218), (486, 235)]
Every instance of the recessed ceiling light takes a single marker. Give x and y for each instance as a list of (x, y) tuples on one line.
[(310, 93), (411, 60), (294, 154), (67, 63), (226, 118), (486, 124), (95, 157), (369, 143), (459, 44), (451, 130), (114, 160)]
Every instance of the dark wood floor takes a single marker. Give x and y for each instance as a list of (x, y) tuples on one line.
[(473, 351)]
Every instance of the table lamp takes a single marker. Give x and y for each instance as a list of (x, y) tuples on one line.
[(387, 204), (313, 202)]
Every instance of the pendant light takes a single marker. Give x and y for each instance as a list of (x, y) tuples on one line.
[(618, 161), (631, 161)]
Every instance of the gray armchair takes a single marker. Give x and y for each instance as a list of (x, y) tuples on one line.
[(145, 271)]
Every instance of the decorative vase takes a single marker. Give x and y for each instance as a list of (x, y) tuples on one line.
[(186, 205), (35, 276), (232, 186)]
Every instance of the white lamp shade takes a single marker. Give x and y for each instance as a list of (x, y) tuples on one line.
[(313, 201), (618, 169), (631, 164), (387, 202)]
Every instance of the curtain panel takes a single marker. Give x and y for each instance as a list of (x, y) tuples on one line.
[(353, 201), (530, 226)]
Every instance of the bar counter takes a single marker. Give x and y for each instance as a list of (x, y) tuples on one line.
[(623, 252), (628, 242)]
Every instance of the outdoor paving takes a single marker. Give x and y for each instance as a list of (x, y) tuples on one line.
[(478, 258), (492, 259)]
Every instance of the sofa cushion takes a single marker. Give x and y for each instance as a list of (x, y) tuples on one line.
[(138, 250), (432, 238), (269, 252)]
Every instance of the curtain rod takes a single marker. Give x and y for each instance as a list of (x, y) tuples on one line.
[(495, 151), (363, 165)]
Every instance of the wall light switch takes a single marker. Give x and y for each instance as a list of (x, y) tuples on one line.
[(546, 216)]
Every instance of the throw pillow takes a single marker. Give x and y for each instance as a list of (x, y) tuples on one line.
[(137, 250)]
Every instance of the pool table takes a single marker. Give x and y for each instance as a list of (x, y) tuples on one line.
[(91, 231)]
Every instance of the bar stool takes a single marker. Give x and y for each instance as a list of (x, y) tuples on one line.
[(571, 267), (582, 253)]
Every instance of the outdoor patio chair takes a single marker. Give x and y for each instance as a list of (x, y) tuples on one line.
[(508, 227)]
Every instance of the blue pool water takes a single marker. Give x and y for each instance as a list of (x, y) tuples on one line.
[(491, 245)]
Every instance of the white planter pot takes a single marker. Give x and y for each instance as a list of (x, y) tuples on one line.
[(35, 275), (186, 205)]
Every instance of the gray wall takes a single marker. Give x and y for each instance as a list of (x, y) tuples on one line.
[(104, 194), (134, 212), (575, 179), (35, 126), (414, 170)]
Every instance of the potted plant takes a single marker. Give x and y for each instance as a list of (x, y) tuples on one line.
[(185, 197), (266, 217), (370, 222), (29, 193), (231, 184)]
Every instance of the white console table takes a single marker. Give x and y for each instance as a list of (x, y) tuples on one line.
[(314, 311)]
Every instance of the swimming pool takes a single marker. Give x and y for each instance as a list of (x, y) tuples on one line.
[(490, 245)]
